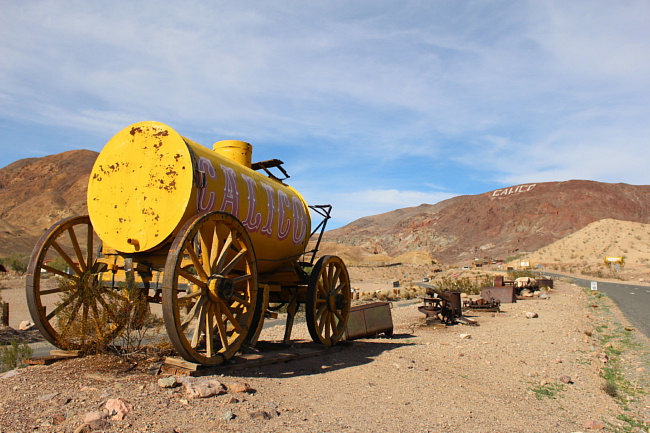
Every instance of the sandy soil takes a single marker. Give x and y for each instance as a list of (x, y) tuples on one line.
[(506, 375)]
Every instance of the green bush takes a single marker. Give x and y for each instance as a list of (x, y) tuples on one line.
[(471, 286), (13, 355), (16, 261)]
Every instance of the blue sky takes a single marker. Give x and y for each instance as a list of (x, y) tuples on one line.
[(372, 105)]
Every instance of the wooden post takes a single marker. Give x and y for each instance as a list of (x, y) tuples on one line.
[(4, 314)]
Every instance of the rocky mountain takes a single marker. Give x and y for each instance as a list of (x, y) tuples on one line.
[(496, 224), (37, 192)]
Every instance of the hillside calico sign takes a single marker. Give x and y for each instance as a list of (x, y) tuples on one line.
[(513, 190)]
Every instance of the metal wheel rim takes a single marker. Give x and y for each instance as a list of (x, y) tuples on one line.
[(80, 299), (209, 320), (328, 300)]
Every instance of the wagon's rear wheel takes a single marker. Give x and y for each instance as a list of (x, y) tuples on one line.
[(211, 301), (67, 299), (328, 300)]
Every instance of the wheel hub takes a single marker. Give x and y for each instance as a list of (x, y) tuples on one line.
[(221, 288)]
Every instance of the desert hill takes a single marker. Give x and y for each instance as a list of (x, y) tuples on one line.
[(37, 192), (589, 246), (497, 224)]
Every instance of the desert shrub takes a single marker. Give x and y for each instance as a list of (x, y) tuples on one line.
[(471, 286), (16, 261), (513, 275), (13, 355), (139, 322)]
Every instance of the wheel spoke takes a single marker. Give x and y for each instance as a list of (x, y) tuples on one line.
[(334, 278), (77, 249), (231, 317), (221, 259), (242, 301), (204, 252), (209, 331), (200, 324), (67, 258), (60, 307), (234, 262), (89, 245), (320, 287), (193, 312), (191, 278), (189, 249), (222, 330)]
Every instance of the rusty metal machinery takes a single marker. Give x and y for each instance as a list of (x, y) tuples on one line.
[(443, 305), (210, 236)]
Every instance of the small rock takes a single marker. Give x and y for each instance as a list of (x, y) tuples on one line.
[(640, 369), (228, 415), (233, 400), (203, 388), (167, 382), (544, 296), (25, 325), (49, 396), (565, 379), (465, 336), (238, 387), (61, 401), (260, 414), (630, 328), (273, 410), (594, 425), (531, 315), (94, 416), (118, 408)]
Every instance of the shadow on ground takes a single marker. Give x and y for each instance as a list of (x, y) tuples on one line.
[(345, 355)]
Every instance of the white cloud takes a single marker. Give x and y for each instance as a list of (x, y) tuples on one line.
[(349, 206), (379, 90)]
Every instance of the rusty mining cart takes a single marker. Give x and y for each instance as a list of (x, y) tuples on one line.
[(216, 240)]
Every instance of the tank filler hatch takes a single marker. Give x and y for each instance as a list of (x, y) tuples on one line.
[(268, 164)]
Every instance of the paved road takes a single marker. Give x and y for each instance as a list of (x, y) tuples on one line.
[(633, 300)]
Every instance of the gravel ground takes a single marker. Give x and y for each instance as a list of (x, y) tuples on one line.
[(506, 375)]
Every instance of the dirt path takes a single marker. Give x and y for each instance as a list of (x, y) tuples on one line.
[(506, 376)]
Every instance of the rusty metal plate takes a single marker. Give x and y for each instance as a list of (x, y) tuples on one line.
[(506, 294), (368, 320)]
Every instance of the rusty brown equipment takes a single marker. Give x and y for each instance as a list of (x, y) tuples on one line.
[(443, 305)]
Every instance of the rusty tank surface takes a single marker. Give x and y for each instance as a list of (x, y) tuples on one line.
[(218, 241)]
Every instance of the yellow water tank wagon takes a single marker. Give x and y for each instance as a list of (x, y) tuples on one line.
[(149, 180)]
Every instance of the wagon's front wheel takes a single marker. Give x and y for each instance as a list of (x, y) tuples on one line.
[(328, 300), (211, 300), (67, 299)]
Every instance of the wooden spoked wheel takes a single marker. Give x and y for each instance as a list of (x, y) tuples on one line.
[(328, 300), (67, 299), (211, 301)]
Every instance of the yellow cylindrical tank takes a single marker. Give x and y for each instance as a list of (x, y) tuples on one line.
[(149, 180)]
